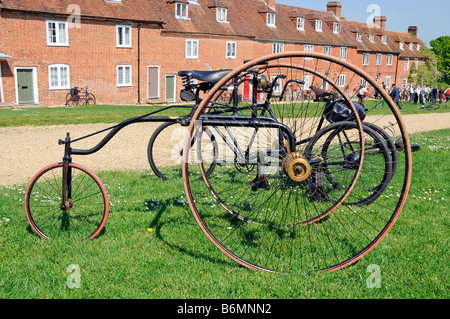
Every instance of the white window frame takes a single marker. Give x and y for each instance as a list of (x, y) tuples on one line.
[(411, 46), (182, 12), (372, 38), (327, 49), (231, 48), (416, 62), (319, 24), (404, 83), (359, 36), (121, 38), (59, 85), (190, 53), (125, 81), (57, 33), (390, 59), (341, 80), (418, 46), (387, 82), (278, 86), (379, 59), (277, 47), (271, 19), (309, 48), (336, 27), (401, 45), (343, 53), (301, 24), (366, 59), (308, 82), (406, 68), (221, 14), (384, 39)]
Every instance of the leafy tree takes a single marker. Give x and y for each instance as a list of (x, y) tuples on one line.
[(428, 73), (441, 47)]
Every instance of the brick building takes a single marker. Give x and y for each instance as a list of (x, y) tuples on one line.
[(130, 51)]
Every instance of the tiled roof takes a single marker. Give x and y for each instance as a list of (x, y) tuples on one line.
[(365, 44), (245, 18), (131, 10)]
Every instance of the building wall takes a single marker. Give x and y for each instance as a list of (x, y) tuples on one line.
[(93, 58)]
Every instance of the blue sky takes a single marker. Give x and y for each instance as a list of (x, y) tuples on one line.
[(430, 16)]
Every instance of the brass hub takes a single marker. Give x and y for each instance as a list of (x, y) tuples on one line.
[(68, 204), (296, 166)]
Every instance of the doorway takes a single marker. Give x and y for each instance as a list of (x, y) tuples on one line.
[(26, 88), (153, 82), (170, 88)]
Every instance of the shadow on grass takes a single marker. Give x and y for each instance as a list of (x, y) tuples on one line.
[(158, 222)]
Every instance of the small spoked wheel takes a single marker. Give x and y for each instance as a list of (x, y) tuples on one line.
[(77, 208), (328, 183)]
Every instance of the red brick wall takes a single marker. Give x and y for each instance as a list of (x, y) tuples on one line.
[(93, 58)]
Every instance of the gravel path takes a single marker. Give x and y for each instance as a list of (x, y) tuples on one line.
[(25, 150)]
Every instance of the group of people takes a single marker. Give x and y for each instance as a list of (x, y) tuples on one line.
[(424, 94), (415, 94)]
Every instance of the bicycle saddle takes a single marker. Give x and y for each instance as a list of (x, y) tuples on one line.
[(207, 76)]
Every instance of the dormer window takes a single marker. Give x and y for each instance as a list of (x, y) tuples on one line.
[(181, 10), (359, 36), (221, 14), (300, 24), (418, 47), (411, 46), (372, 38), (318, 25), (271, 19), (384, 39), (401, 45), (336, 27)]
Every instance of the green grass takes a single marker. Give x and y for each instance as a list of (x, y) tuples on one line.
[(80, 115), (153, 248), (118, 113)]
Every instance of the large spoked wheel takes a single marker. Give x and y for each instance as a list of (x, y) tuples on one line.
[(165, 151), (83, 212), (287, 215)]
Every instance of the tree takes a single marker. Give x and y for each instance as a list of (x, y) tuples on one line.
[(428, 73), (441, 47)]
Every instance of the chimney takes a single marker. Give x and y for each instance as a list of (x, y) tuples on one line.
[(413, 30), (335, 7), (380, 21), (271, 3)]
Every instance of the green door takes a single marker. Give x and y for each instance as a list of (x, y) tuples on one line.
[(25, 86), (170, 88)]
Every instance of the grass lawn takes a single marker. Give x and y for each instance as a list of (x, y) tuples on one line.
[(153, 248), (117, 113)]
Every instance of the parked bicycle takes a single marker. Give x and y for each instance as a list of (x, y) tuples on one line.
[(431, 106), (78, 96), (296, 185)]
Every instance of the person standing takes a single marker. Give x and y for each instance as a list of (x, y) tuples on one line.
[(362, 93), (441, 94), (411, 93), (447, 97), (395, 94)]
